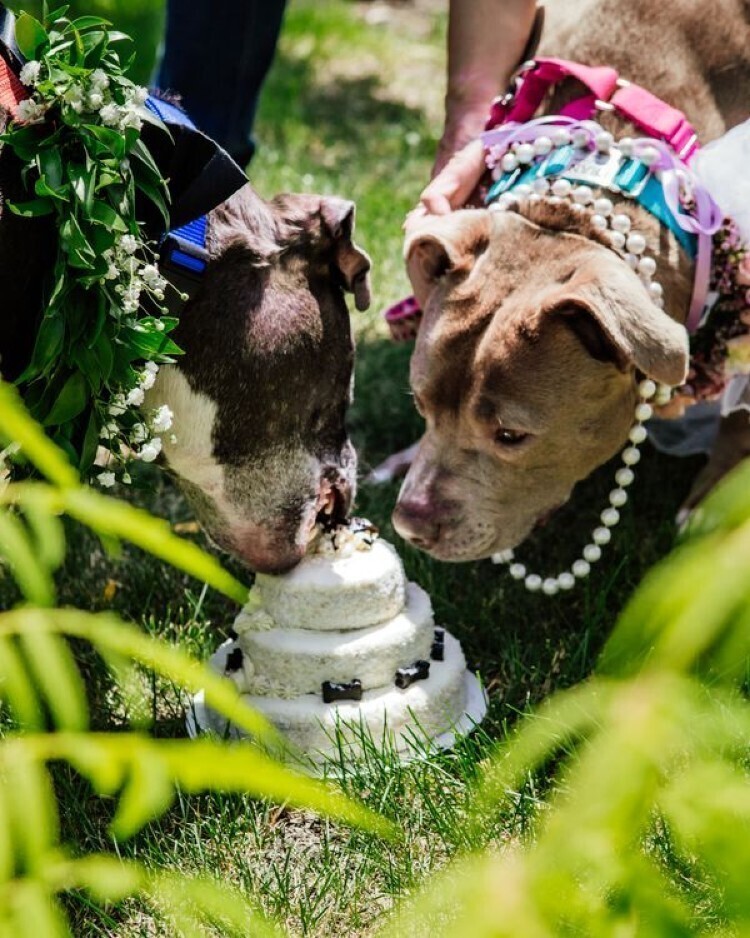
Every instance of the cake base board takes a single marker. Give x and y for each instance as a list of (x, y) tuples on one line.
[(200, 719)]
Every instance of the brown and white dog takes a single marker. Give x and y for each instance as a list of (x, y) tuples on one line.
[(533, 331), (260, 396)]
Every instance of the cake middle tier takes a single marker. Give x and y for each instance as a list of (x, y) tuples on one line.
[(290, 662)]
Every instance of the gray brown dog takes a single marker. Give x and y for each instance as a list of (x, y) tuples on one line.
[(533, 332), (260, 395)]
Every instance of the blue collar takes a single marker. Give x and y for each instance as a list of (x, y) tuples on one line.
[(183, 248)]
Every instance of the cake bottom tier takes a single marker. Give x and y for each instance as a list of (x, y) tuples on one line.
[(386, 716)]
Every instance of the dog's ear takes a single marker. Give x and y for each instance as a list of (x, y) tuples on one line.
[(445, 244), (616, 320), (328, 223), (352, 263)]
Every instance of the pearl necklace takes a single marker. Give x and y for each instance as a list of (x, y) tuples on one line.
[(602, 535), (508, 163)]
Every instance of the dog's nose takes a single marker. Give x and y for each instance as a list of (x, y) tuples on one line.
[(415, 521)]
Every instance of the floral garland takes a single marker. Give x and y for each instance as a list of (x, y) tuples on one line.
[(98, 349), (720, 349)]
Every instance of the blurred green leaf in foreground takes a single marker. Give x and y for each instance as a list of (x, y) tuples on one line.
[(43, 697), (648, 760)]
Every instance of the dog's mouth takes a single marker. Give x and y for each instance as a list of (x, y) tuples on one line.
[(332, 508)]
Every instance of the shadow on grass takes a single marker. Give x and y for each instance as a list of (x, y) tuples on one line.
[(343, 111)]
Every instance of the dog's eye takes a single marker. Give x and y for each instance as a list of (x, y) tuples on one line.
[(507, 437)]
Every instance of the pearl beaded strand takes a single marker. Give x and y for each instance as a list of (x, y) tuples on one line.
[(610, 517)]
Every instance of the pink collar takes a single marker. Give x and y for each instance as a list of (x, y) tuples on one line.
[(608, 92)]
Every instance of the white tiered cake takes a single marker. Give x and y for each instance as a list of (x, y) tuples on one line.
[(343, 643)]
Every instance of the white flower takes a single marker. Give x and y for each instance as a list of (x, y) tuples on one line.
[(151, 450), (133, 292), (99, 80), (30, 73), (137, 94), (110, 115), (135, 397), (129, 117), (173, 438), (128, 244), (31, 111), (95, 101), (147, 380), (159, 325), (106, 479), (73, 95), (152, 278), (112, 273), (152, 366), (163, 419), (109, 430), (139, 433)]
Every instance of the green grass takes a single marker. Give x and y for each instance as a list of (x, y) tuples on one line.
[(354, 109)]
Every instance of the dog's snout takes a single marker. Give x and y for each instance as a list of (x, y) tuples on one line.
[(416, 522)]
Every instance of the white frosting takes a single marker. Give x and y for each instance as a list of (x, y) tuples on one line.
[(345, 613), (427, 707), (335, 592), (288, 662)]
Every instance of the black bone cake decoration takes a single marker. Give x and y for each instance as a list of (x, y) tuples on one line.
[(332, 691), (419, 671), (234, 661)]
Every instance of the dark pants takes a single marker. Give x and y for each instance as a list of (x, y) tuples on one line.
[(216, 56)]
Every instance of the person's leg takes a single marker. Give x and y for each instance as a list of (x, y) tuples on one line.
[(216, 56)]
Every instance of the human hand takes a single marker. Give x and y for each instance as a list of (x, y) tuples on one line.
[(452, 186)]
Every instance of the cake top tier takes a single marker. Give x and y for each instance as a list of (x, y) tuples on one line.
[(350, 579)]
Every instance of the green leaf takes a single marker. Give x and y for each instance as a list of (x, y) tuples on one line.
[(88, 364), (16, 424), (102, 349), (90, 444), (56, 674), (107, 759), (82, 23), (148, 793), (79, 250), (47, 529), (143, 155), (156, 194), (50, 165), (31, 36), (199, 900), (15, 546), (113, 140), (49, 343), (105, 215), (114, 518), (44, 190), (16, 687), (151, 345), (34, 208), (83, 183), (71, 401)]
